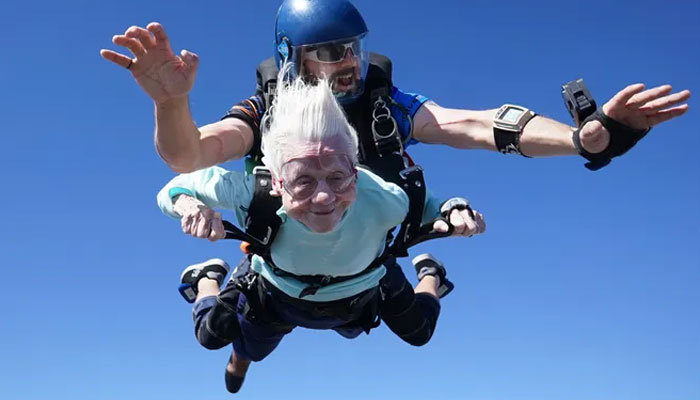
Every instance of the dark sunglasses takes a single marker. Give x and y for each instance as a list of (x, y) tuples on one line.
[(331, 52)]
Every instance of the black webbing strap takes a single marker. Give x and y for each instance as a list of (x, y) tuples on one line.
[(255, 246), (316, 282), (390, 164), (266, 80), (413, 184), (262, 221)]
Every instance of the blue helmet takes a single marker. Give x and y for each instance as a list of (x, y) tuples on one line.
[(324, 32)]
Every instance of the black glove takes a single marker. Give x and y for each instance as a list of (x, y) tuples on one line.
[(622, 138)]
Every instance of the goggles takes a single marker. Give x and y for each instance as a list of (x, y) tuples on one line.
[(303, 185), (331, 52)]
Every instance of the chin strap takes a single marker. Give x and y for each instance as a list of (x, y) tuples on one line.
[(622, 138)]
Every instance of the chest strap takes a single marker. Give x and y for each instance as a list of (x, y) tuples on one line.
[(316, 282)]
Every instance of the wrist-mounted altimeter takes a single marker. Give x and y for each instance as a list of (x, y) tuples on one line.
[(508, 125)]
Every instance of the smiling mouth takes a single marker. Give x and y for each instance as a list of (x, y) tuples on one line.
[(329, 212), (344, 78)]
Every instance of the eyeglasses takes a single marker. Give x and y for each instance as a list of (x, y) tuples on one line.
[(331, 52), (304, 186)]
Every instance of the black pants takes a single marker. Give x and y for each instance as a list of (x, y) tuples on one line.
[(255, 323)]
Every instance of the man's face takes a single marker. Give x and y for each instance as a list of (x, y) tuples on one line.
[(343, 75), (317, 183)]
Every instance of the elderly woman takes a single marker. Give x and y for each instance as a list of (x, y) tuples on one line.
[(335, 216)]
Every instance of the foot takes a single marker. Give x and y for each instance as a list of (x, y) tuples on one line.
[(235, 372), (215, 269), (426, 264)]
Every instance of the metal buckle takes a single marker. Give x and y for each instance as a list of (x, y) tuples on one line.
[(404, 173), (267, 236), (381, 114)]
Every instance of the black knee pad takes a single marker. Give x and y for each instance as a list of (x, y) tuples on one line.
[(209, 341), (222, 320), (412, 317), (430, 309), (430, 305), (396, 291)]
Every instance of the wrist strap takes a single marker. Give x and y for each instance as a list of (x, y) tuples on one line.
[(508, 142)]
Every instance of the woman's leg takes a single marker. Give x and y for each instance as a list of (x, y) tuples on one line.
[(215, 316), (411, 314), (200, 283), (260, 334), (229, 317)]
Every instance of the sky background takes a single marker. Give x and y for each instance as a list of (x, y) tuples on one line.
[(585, 285)]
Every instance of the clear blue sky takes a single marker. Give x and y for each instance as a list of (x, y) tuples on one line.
[(584, 287)]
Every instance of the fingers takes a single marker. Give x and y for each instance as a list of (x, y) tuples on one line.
[(190, 59), (480, 223), (142, 35), (117, 58), (665, 115), (463, 223), (212, 227), (642, 98), (159, 33), (203, 223), (217, 229), (186, 223), (134, 45), (202, 227), (659, 104), (470, 227), (623, 96), (466, 222), (440, 226), (594, 137)]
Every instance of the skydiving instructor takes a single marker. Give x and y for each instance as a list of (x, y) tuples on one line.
[(326, 38)]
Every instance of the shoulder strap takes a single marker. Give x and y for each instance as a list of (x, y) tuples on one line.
[(262, 223), (266, 80), (381, 146), (382, 69)]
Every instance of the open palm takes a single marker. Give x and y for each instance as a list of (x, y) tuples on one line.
[(641, 109), (162, 74)]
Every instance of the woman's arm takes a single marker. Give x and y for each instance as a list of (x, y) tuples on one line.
[(214, 187)]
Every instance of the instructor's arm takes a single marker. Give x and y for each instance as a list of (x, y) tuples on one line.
[(634, 106), (167, 79)]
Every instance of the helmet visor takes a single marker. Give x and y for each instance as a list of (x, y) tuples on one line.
[(343, 63), (331, 52)]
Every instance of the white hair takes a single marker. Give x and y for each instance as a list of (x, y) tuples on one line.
[(302, 111)]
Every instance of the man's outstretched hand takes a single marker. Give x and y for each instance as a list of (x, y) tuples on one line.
[(160, 73), (637, 108)]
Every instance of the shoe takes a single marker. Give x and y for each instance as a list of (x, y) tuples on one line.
[(215, 268), (426, 264), (236, 369)]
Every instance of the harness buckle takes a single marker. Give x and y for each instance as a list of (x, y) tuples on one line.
[(247, 282), (412, 170), (268, 235), (385, 130)]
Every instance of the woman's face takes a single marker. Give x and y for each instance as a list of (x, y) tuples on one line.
[(317, 183)]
